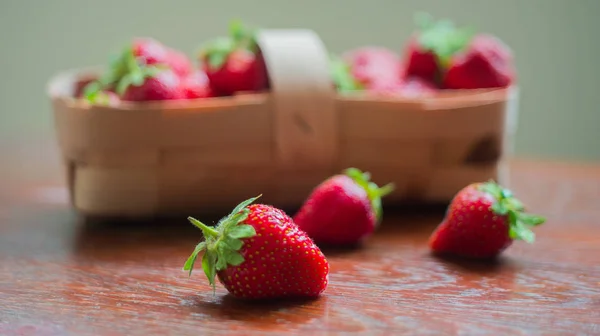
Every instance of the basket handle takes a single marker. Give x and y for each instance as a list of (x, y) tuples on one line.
[(303, 97)]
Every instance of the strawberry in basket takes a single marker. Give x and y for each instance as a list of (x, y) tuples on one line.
[(431, 47), (486, 62), (146, 70), (457, 57), (373, 66), (234, 63)]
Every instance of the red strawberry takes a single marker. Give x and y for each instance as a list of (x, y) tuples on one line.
[(257, 252), (373, 65), (420, 61), (234, 63), (486, 63), (342, 210), (482, 221), (197, 86), (430, 48), (151, 52), (151, 84)]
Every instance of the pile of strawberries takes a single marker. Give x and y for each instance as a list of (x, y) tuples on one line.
[(438, 56), (260, 252), (147, 70)]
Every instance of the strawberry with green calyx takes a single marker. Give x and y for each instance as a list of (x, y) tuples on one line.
[(143, 59), (345, 209), (258, 252), (430, 49), (234, 63), (483, 220), (148, 82)]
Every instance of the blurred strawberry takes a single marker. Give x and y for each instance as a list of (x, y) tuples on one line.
[(197, 86), (151, 83), (486, 63), (137, 62), (431, 47), (373, 65), (152, 52), (234, 63)]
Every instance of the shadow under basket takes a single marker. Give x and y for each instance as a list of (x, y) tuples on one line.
[(183, 157)]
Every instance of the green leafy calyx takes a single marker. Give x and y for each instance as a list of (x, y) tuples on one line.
[(442, 37), (341, 74), (222, 243), (519, 222), (239, 37), (374, 192)]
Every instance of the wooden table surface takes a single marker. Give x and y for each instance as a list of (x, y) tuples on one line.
[(61, 275)]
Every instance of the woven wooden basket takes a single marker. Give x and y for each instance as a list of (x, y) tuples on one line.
[(178, 157)]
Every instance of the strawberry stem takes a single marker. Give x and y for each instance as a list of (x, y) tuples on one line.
[(222, 243), (519, 222), (208, 231), (374, 193)]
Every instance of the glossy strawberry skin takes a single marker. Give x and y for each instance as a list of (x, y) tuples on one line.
[(486, 63), (337, 212), (243, 70), (166, 85), (373, 66), (419, 62), (280, 260), (197, 86), (471, 228)]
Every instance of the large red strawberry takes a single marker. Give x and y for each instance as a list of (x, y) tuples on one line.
[(485, 63), (430, 48), (197, 86), (234, 63), (257, 252), (373, 65), (342, 210), (483, 220)]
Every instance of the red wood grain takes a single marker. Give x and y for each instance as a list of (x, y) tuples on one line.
[(61, 275)]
